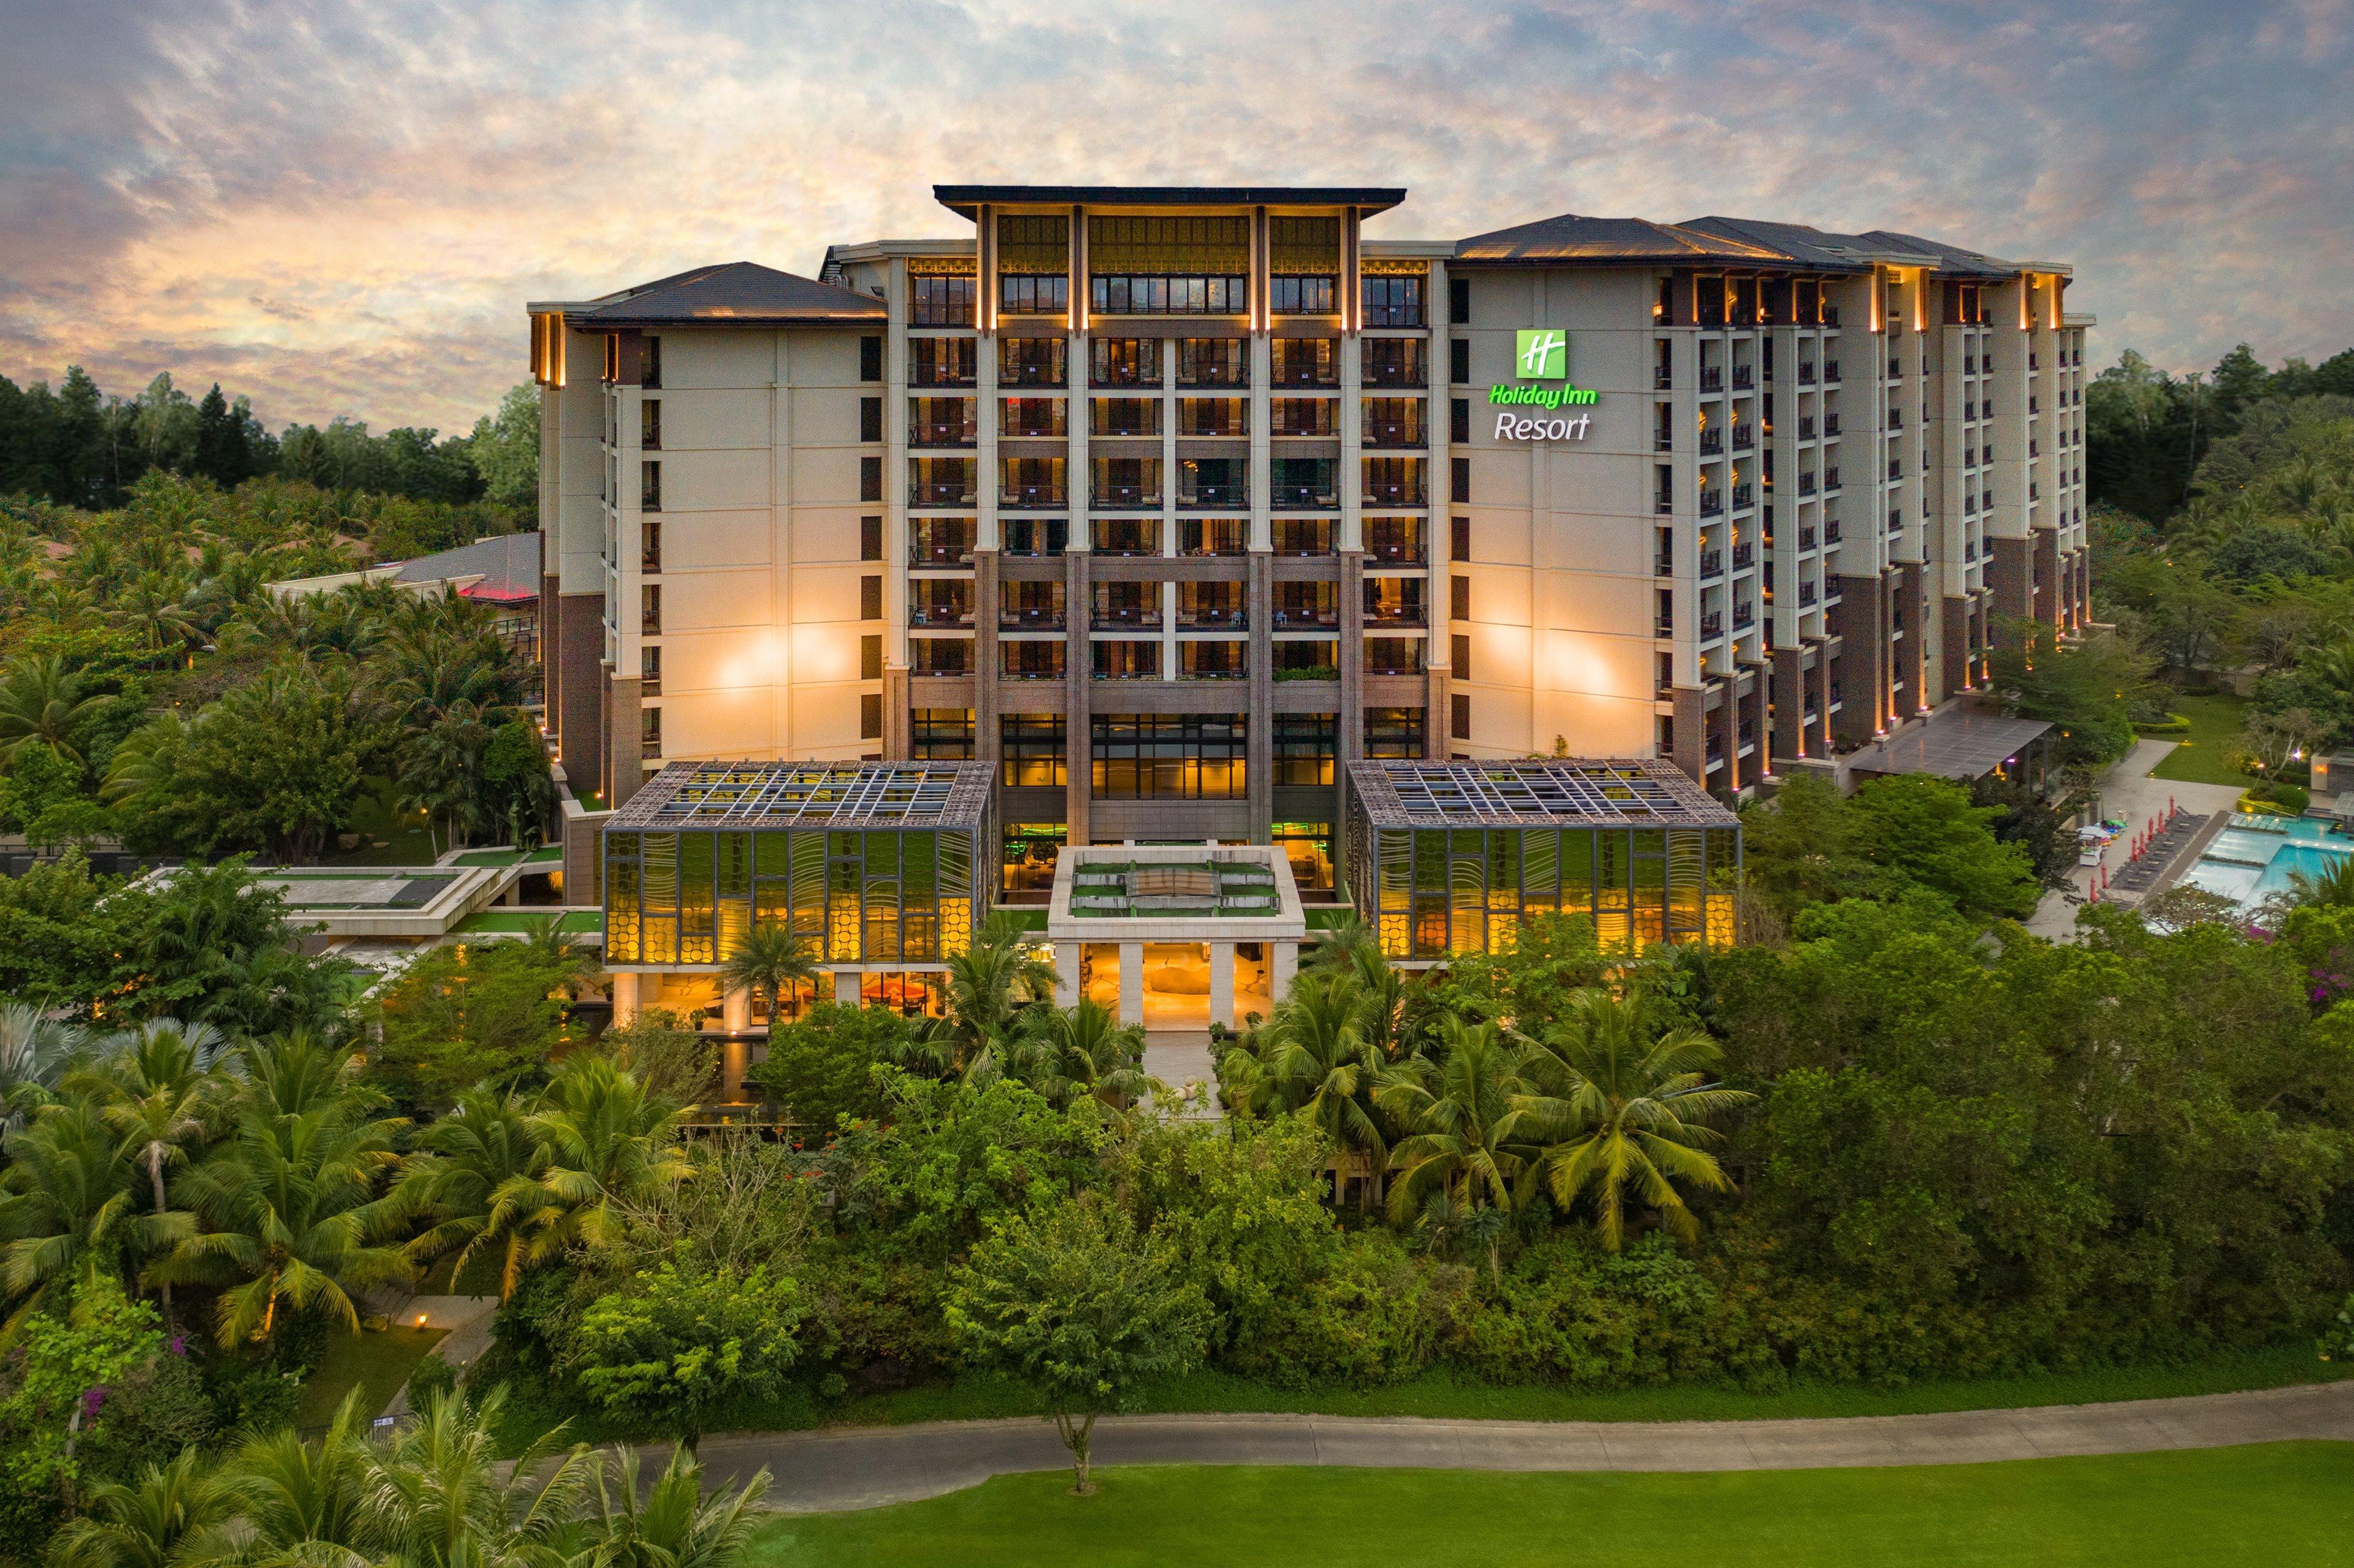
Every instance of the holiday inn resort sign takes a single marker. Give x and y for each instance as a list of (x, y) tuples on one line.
[(1541, 355)]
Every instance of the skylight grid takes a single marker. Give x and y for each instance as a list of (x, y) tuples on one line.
[(780, 794), (1533, 793)]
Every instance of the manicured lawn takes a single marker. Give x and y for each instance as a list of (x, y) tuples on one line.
[(2276, 1504), (377, 1363), (2214, 723)]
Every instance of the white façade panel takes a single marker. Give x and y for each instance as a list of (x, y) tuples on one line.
[(699, 420), (1591, 602), (827, 416), (718, 539), (701, 481), (699, 359), (831, 534)]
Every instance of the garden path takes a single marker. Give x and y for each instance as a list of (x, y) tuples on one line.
[(871, 1466)]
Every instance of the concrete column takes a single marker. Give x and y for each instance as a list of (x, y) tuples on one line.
[(1788, 737), (1284, 964), (625, 767), (735, 1055), (845, 987), (625, 999), (1259, 740), (735, 1009), (987, 598), (1221, 983), (1078, 669), (1066, 974), (1132, 982)]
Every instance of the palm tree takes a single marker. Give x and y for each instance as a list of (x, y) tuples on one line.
[(476, 1178), (1464, 1140), (436, 1496), (300, 1503), (771, 958), (1616, 1102), (572, 961), (68, 1208), (34, 1052), (990, 984), (174, 1514), (158, 1092), (2332, 887), (671, 1523), (604, 1143), (1070, 1055), (1313, 1058), (290, 1201), (43, 705)]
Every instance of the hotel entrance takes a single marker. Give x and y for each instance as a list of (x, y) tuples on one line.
[(1178, 983)]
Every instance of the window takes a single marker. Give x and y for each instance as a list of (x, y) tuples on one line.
[(1032, 752), (650, 549), (941, 733), (1459, 715), (870, 359), (649, 361), (1301, 295), (1167, 294), (1305, 362), (1394, 541), (941, 362), (650, 610), (1307, 748), (1460, 650), (1395, 733), (1392, 302), (1460, 476), (1124, 361), (942, 300), (870, 479), (870, 658), (1459, 419), (650, 736), (1394, 362), (870, 538), (870, 599), (1458, 537), (870, 419), (649, 424), (650, 487), (870, 717), (1458, 599), (1030, 852), (1459, 361), (1309, 847), (650, 670), (1190, 757), (1459, 301), (1033, 293), (1213, 362)]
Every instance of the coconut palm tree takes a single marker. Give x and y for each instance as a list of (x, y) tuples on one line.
[(671, 1523), (991, 983), (1616, 1102), (300, 1504), (43, 705), (475, 1178), (157, 1089), (289, 1203), (771, 959), (1464, 1139), (1314, 1057), (604, 1143), (2332, 887), (174, 1514), (572, 961), (68, 1207), (1071, 1055), (436, 1496), (35, 1051)]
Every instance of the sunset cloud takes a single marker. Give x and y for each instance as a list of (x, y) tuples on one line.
[(341, 209)]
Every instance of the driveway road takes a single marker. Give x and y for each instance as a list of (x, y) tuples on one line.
[(870, 1466)]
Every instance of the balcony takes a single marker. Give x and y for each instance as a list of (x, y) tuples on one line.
[(938, 613), (1806, 373), (1664, 566), (1411, 491), (1127, 661), (1830, 371), (940, 557), (1806, 539), (1394, 656), (1303, 497), (1830, 479), (948, 432), (1395, 602), (1395, 433), (1033, 416), (1127, 535), (1306, 617), (1212, 537), (1207, 495), (1712, 627), (1212, 618), (1663, 441), (1746, 616), (1744, 436), (940, 656), (1035, 538), (1744, 555), (1806, 484), (1806, 595), (1712, 564), (1116, 494), (1805, 427), (1711, 503), (1744, 495), (1302, 536), (1830, 425), (1031, 661), (1033, 497), (1744, 377), (1031, 617), (942, 492), (1663, 379), (1830, 531), (1212, 661), (1664, 504), (1394, 542), (1712, 442), (1125, 618), (1664, 627), (1300, 416), (1712, 378)]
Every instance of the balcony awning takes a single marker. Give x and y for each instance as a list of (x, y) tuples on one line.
[(1955, 744)]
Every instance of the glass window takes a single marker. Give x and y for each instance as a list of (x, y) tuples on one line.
[(1306, 748), (1032, 750), (1309, 847), (942, 734), (1169, 755), (1394, 732)]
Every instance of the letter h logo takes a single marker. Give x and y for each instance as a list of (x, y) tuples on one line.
[(1544, 354)]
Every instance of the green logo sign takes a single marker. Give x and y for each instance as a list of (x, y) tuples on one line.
[(1543, 354)]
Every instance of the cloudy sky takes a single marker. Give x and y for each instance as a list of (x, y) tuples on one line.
[(341, 207)]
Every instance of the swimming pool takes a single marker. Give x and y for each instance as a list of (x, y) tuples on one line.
[(2256, 857)]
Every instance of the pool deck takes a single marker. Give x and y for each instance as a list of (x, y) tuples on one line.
[(2127, 790)]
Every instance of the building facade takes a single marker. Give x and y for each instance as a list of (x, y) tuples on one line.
[(1170, 504)]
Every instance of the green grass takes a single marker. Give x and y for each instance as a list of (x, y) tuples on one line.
[(2215, 723), (2271, 1504), (377, 1364), (527, 917), (406, 846), (1438, 1396)]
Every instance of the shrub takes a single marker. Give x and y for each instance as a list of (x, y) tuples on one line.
[(433, 1379), (821, 1067)]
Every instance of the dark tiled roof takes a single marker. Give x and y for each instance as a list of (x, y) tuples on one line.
[(1951, 259), (507, 564), (965, 198), (734, 294), (1816, 248), (1611, 241)]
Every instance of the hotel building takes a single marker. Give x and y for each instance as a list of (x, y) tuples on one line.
[(1172, 503)]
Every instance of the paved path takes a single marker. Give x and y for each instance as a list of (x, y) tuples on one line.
[(2127, 789), (869, 1467)]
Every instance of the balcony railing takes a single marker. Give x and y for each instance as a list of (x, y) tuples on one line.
[(1744, 555), (1832, 531), (1662, 441), (1744, 436), (1394, 433), (1712, 442), (1108, 495), (1125, 618), (1663, 627), (1031, 617), (1405, 613), (1805, 427), (940, 433), (1745, 616), (1032, 497), (1806, 484), (1663, 377), (1229, 497), (1830, 425), (1712, 564), (1744, 377), (1711, 502), (1712, 378), (939, 616), (1664, 504), (939, 493), (1806, 595), (1212, 618), (1710, 627), (1744, 495), (1830, 371), (934, 557), (1299, 618), (1664, 566), (1303, 498), (1806, 538), (1395, 493), (1302, 536), (1830, 479)]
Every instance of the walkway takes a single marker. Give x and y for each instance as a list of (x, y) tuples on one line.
[(869, 1467), (2127, 790)]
